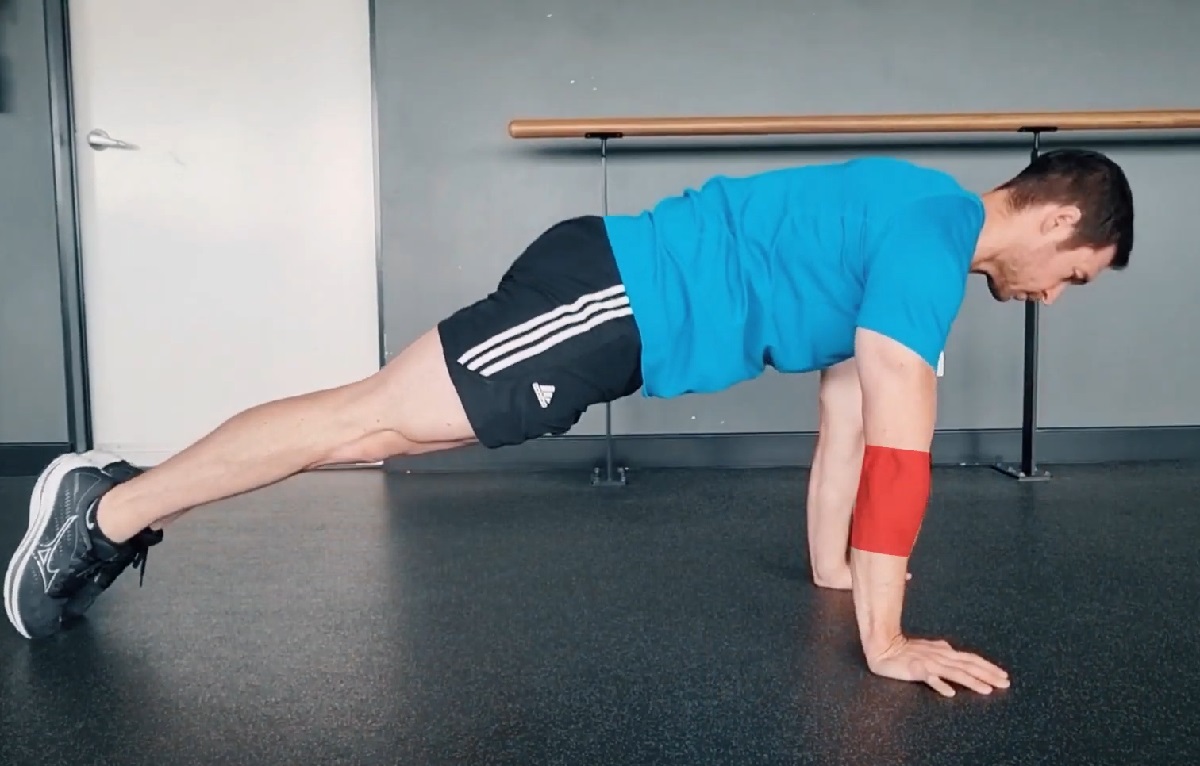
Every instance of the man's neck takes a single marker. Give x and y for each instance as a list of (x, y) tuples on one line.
[(992, 237)]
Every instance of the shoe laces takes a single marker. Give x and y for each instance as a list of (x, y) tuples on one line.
[(135, 553), (89, 567), (141, 552), (103, 570)]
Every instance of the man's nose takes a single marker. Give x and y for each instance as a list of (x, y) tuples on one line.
[(1051, 295)]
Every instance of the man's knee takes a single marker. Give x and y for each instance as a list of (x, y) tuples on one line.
[(414, 398)]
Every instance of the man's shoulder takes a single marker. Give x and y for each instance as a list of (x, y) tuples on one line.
[(952, 217), (891, 166), (927, 231), (920, 202), (898, 177)]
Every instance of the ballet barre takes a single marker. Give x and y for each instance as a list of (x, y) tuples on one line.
[(605, 129)]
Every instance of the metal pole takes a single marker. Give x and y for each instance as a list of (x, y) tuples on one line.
[(612, 476), (1027, 469)]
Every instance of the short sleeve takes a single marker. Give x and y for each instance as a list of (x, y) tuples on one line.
[(917, 272)]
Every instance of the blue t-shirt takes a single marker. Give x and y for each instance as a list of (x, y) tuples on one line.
[(779, 269)]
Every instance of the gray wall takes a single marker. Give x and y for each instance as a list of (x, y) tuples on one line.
[(460, 199), (32, 378)]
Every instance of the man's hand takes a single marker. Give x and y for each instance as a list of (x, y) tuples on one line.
[(936, 663)]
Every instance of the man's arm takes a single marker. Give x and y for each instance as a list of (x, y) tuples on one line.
[(899, 411), (833, 481)]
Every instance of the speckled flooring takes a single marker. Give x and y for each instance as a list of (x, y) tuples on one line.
[(358, 618)]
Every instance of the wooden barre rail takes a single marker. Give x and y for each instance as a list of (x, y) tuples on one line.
[(962, 122)]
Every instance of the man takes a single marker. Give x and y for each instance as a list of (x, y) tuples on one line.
[(855, 269)]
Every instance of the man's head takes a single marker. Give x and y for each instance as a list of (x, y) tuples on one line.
[(1062, 220)]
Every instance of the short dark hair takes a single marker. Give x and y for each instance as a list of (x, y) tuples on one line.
[(1090, 181)]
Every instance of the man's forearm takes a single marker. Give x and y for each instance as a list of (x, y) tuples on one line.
[(878, 586), (834, 478), (831, 491), (890, 505)]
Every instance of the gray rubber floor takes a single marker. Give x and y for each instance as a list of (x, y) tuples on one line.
[(358, 618)]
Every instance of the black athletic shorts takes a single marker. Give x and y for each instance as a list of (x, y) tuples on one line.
[(555, 337)]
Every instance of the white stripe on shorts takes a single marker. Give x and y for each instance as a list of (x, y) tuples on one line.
[(551, 328)]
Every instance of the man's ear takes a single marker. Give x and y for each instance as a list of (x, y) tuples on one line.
[(1061, 218)]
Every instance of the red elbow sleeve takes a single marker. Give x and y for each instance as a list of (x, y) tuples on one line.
[(892, 495)]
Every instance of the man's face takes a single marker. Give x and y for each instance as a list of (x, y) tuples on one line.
[(1044, 260)]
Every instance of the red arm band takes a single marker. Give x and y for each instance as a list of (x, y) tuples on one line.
[(892, 494)]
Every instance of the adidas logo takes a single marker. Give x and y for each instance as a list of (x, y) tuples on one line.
[(543, 393)]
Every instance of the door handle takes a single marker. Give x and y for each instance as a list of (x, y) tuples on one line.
[(100, 140)]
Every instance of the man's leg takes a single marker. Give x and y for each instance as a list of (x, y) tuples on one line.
[(370, 450), (407, 407), (555, 337), (91, 517)]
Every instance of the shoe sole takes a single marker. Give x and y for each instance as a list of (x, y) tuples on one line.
[(96, 457), (39, 515)]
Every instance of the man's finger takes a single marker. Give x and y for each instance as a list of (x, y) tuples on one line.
[(940, 686), (984, 669), (964, 678), (974, 662), (991, 678), (976, 666)]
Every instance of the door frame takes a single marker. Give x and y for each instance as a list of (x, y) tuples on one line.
[(66, 202)]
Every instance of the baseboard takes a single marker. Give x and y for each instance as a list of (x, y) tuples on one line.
[(774, 450), (1054, 446), (28, 459)]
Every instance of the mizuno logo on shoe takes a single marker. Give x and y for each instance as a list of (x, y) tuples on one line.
[(543, 393), (44, 553)]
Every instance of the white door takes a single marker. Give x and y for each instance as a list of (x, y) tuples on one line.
[(229, 250)]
